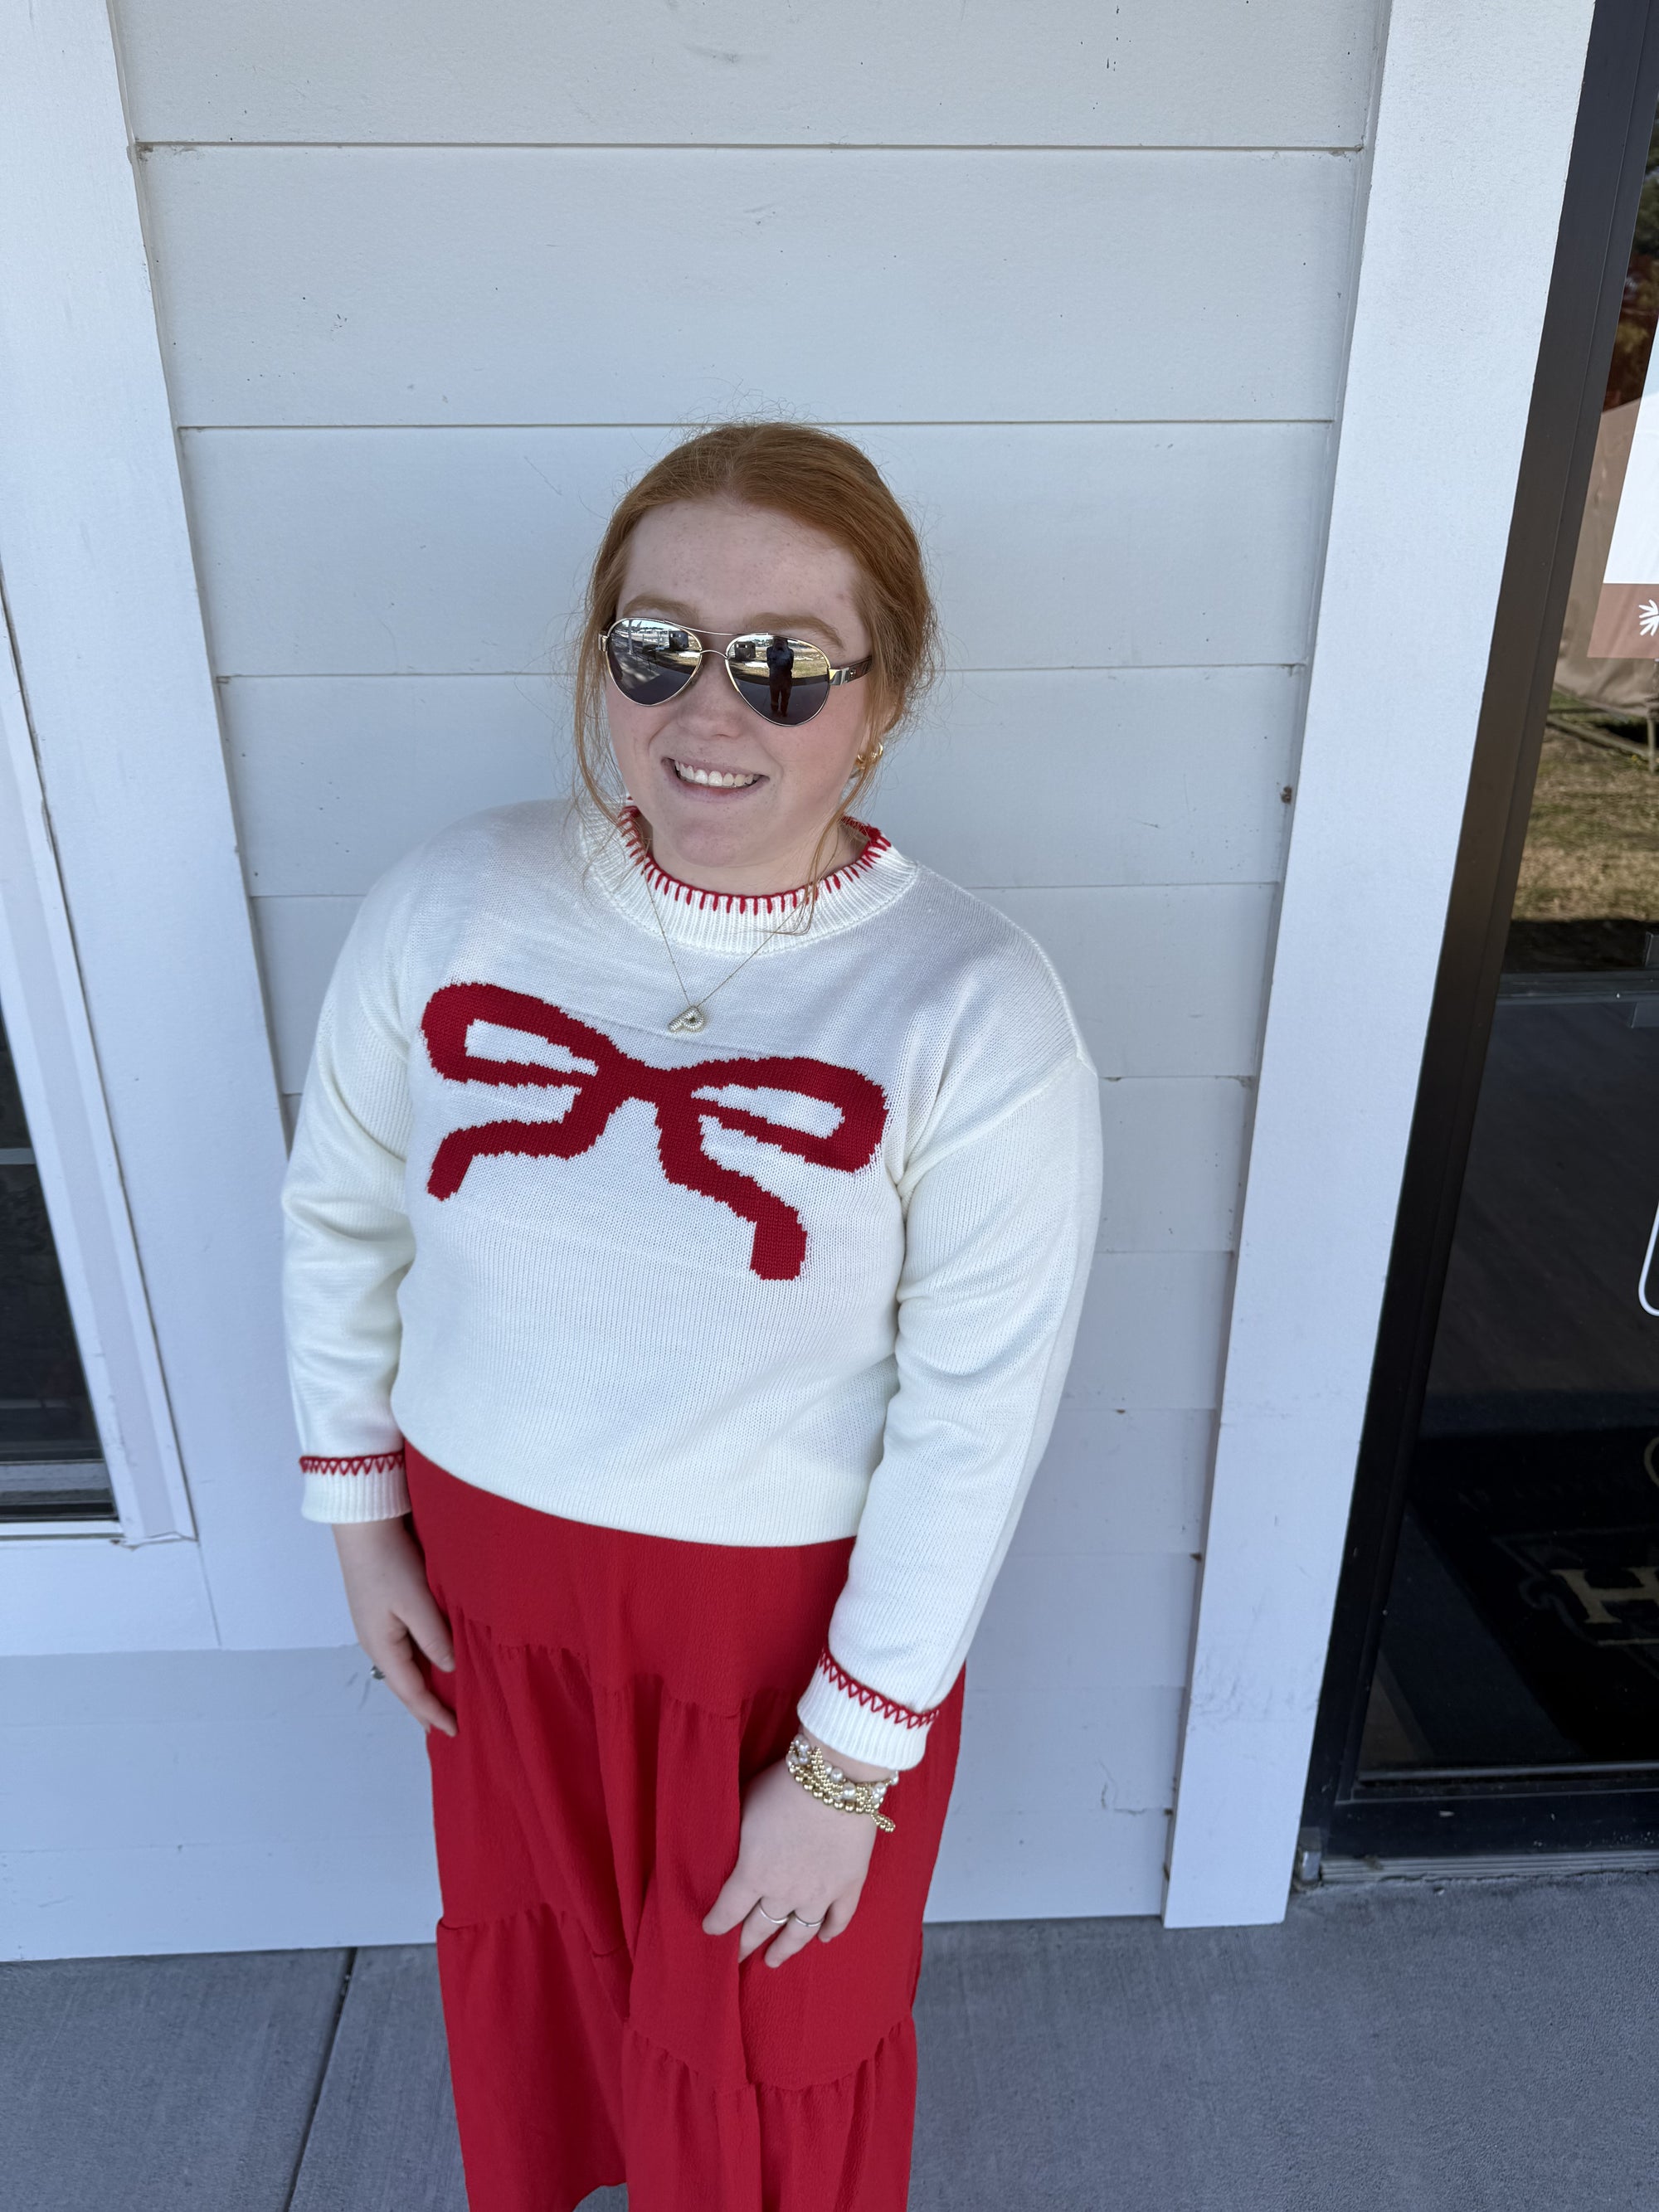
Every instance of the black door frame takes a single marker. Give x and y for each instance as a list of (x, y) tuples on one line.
[(1439, 1817)]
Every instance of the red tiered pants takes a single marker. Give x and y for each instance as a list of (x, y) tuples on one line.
[(615, 1692)]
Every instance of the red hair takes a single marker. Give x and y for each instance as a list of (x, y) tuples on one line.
[(815, 478)]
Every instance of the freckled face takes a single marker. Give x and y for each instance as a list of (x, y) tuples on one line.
[(736, 802)]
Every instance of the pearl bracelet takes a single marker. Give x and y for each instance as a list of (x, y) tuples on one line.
[(809, 1766)]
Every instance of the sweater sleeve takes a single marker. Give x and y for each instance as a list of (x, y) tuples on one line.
[(347, 1240), (1000, 1229)]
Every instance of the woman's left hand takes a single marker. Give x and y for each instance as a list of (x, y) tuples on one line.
[(794, 1856)]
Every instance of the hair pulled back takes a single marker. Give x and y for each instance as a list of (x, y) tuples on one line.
[(815, 478)]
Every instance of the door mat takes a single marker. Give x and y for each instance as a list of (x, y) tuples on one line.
[(1554, 1539)]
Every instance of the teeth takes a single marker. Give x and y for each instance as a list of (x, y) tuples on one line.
[(713, 777)]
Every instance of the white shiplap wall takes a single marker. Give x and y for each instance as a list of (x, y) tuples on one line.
[(1078, 281)]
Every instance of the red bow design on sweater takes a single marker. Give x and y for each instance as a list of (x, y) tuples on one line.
[(779, 1244)]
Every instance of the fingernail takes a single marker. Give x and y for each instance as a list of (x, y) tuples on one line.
[(449, 1666)]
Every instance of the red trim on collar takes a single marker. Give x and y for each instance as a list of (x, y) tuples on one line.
[(746, 903), (833, 1673)]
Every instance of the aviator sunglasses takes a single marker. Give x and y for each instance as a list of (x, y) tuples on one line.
[(783, 678)]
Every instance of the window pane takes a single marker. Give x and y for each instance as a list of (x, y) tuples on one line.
[(52, 1465)]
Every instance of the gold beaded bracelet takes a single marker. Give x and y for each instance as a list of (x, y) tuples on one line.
[(809, 1766)]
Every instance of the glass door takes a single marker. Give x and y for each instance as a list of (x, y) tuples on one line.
[(1495, 1676)]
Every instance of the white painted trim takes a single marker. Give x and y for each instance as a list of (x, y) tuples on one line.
[(107, 631), (31, 1532), (60, 1594), (51, 1048), (1474, 128)]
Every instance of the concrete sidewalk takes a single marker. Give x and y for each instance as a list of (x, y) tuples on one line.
[(1422, 2048)]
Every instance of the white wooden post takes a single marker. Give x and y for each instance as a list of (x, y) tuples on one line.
[(101, 595), (1474, 126)]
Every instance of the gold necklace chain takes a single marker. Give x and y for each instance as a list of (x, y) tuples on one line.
[(692, 1019)]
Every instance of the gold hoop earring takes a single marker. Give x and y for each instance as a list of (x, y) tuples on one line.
[(869, 760)]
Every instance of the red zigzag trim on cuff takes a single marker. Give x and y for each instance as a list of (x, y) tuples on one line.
[(366, 1463), (828, 1665)]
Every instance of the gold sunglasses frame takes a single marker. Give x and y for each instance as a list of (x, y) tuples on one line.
[(849, 672)]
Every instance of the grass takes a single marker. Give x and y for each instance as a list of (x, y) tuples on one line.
[(1593, 839)]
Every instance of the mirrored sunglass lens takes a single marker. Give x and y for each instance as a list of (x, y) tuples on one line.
[(784, 678), (651, 660)]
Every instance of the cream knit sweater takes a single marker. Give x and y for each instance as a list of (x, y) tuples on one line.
[(812, 1274)]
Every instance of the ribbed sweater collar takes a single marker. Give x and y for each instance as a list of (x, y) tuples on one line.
[(624, 873)]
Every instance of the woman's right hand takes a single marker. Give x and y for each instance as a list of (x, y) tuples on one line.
[(394, 1613)]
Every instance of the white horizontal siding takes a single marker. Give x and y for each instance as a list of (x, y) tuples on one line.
[(335, 777), (209, 1800), (1126, 777), (1068, 72), (1119, 1480), (298, 941), (451, 551), (1083, 1645), (1151, 1332), (725, 289), (1113, 1621), (58, 1593), (77, 1717), (1164, 980), (1071, 1787), (1125, 1769), (1175, 1164), (335, 1887)]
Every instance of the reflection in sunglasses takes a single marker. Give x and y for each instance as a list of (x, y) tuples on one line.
[(653, 661)]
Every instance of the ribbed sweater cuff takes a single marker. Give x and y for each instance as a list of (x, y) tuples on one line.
[(859, 1722), (370, 1487)]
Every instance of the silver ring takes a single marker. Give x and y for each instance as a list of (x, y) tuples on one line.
[(375, 1675), (818, 1923), (772, 1917)]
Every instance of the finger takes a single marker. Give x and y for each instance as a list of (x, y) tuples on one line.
[(835, 1919), (764, 1922), (732, 1906), (422, 1618), (795, 1937), (404, 1678)]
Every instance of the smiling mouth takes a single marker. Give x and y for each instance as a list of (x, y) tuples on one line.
[(714, 779)]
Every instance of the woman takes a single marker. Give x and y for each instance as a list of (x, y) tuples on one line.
[(687, 1224)]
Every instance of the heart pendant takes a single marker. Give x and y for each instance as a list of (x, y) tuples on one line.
[(689, 1023)]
